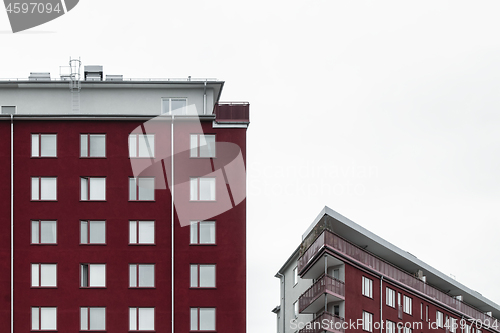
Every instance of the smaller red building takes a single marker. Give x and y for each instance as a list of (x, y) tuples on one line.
[(343, 278)]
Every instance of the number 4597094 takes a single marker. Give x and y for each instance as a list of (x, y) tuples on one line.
[(32, 7)]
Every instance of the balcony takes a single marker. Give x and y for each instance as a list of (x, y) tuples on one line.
[(328, 240), (326, 322), (232, 113), (313, 299)]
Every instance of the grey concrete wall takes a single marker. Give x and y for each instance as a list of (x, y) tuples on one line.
[(136, 100), (292, 294)]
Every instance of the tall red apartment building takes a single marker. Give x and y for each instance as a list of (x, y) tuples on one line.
[(343, 278), (122, 204)]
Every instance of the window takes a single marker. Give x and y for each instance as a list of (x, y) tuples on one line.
[(407, 306), (202, 319), (466, 329), (43, 232), (336, 310), (92, 232), (390, 327), (43, 188), (93, 188), (202, 232), (367, 321), (142, 232), (407, 329), (202, 145), (295, 276), (141, 145), (451, 323), (141, 319), (43, 318), (142, 189), (421, 311), (92, 319), (367, 287), (174, 106), (439, 319), (93, 145), (43, 145), (336, 273), (426, 313), (202, 276), (202, 189), (43, 275), (93, 275), (142, 275), (390, 297), (8, 110), (296, 309)]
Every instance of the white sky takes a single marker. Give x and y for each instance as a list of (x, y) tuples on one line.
[(385, 111)]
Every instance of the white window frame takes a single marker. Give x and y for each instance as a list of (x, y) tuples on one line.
[(200, 148), (390, 327), (295, 276), (86, 314), (86, 189), (367, 287), (37, 184), (407, 330), (407, 304), (134, 188), (85, 231), (367, 321), (168, 100), (195, 274), (86, 281), (37, 321), (454, 325), (390, 297), (195, 190), (38, 224), (37, 140), (38, 270), (86, 141), (135, 275), (135, 232), (296, 309), (195, 232), (439, 319), (135, 321), (136, 141), (196, 319)]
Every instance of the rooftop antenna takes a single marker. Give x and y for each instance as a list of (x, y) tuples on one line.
[(71, 73)]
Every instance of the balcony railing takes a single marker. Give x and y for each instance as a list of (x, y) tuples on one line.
[(324, 322), (323, 285), (335, 242), (232, 112)]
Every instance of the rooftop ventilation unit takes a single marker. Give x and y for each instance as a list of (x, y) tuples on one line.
[(39, 76), (114, 77), (93, 73)]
